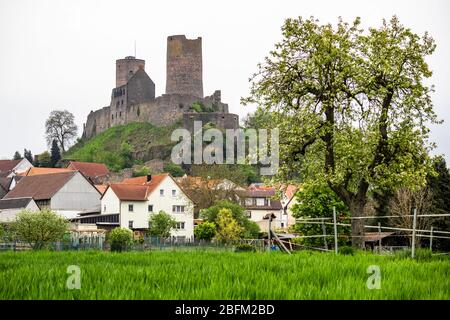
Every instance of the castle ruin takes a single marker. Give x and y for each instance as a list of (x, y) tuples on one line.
[(133, 99)]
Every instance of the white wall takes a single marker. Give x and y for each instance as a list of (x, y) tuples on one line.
[(110, 202), (23, 166), (76, 194), (140, 215), (258, 217), (9, 215)]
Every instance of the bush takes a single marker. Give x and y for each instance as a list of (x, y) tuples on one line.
[(161, 224), (39, 228), (174, 169), (142, 171), (121, 239), (205, 231), (244, 247)]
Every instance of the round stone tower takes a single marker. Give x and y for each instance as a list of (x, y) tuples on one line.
[(126, 68), (184, 66)]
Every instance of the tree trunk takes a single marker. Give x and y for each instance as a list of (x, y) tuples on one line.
[(357, 210)]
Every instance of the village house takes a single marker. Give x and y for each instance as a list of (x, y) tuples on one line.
[(66, 193), (259, 202), (9, 208), (288, 200), (130, 204), (9, 168)]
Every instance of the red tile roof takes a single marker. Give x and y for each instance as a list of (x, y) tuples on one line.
[(101, 188), (8, 165), (137, 189), (89, 169), (40, 187)]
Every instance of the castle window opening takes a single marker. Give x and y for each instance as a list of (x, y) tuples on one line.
[(120, 114)]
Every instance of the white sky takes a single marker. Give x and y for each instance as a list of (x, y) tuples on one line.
[(61, 54)]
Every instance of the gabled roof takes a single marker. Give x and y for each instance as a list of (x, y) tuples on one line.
[(101, 188), (137, 189), (34, 171), (8, 165), (15, 203), (89, 169), (130, 192), (5, 183), (40, 187)]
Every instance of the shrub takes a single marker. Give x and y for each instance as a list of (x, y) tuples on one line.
[(174, 169), (120, 238), (244, 247), (205, 231), (160, 224), (39, 228), (142, 171)]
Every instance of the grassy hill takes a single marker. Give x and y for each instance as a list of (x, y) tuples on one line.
[(123, 146)]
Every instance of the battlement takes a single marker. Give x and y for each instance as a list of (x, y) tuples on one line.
[(126, 68)]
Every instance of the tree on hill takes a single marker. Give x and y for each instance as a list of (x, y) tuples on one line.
[(351, 107), (60, 126), (55, 153), (17, 156), (27, 155), (174, 169)]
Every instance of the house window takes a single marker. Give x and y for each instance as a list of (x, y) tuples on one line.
[(174, 193), (130, 207), (282, 224), (130, 224), (248, 201), (150, 208), (260, 201), (177, 209), (180, 226), (248, 214), (161, 192)]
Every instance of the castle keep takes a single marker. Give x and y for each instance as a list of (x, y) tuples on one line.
[(133, 98)]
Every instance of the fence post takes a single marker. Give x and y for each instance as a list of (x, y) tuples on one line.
[(413, 249), (379, 236), (335, 231), (431, 239), (324, 230)]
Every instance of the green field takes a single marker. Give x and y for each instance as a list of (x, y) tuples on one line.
[(219, 275)]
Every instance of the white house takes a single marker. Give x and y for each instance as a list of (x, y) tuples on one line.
[(67, 193), (259, 202), (136, 199), (9, 168), (9, 208)]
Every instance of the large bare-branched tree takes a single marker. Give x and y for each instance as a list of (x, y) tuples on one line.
[(60, 126)]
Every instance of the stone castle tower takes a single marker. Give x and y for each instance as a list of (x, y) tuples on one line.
[(133, 99), (184, 66)]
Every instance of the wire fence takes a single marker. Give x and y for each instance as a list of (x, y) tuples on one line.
[(409, 233)]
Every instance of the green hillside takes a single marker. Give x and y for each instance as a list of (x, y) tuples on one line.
[(123, 146)]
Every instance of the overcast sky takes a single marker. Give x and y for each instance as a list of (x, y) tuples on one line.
[(61, 54)]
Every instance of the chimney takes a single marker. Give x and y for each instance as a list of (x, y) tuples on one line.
[(149, 177)]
